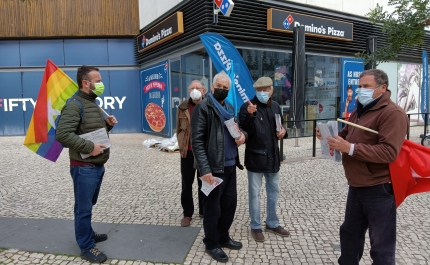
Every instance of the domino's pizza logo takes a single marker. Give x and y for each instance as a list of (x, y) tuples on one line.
[(143, 41), (288, 21)]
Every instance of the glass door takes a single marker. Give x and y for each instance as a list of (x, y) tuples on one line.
[(176, 89)]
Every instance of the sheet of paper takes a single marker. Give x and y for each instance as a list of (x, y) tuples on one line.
[(98, 137), (207, 188), (278, 122), (328, 129), (232, 128)]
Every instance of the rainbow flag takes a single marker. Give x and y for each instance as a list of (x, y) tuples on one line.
[(54, 91)]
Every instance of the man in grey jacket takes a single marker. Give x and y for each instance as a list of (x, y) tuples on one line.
[(79, 116)]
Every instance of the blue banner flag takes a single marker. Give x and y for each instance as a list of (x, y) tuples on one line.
[(223, 55), (425, 85)]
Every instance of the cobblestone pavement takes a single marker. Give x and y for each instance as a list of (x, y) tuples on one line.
[(142, 186)]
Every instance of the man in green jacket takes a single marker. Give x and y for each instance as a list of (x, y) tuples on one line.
[(79, 116)]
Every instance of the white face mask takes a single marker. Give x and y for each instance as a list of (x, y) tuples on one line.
[(195, 94)]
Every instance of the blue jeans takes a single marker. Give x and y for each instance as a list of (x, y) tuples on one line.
[(272, 190), (372, 208), (86, 185)]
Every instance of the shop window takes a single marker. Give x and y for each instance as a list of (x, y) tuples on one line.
[(195, 66), (322, 96)]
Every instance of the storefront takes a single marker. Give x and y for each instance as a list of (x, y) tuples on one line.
[(262, 34)]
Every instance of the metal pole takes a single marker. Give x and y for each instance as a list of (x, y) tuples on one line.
[(297, 138), (281, 150), (314, 139)]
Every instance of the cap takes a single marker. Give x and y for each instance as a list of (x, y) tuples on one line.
[(263, 82)]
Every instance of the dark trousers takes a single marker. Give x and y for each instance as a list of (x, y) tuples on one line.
[(188, 173), (372, 208), (219, 209)]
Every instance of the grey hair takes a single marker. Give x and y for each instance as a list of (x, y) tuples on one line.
[(198, 81), (381, 78), (222, 74)]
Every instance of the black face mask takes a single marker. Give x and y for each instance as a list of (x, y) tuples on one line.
[(220, 94)]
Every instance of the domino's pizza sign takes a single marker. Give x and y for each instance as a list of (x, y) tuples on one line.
[(225, 6)]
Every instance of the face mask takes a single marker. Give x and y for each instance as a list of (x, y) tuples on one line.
[(365, 95), (195, 94), (220, 94), (263, 96), (99, 88)]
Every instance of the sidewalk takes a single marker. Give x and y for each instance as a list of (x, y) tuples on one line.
[(142, 187)]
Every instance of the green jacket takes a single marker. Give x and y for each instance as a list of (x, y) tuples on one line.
[(70, 126)]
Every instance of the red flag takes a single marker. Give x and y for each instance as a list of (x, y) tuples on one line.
[(410, 172)]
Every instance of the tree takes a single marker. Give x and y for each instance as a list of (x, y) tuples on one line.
[(404, 27)]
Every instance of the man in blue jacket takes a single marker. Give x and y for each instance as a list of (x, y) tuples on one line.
[(257, 118)]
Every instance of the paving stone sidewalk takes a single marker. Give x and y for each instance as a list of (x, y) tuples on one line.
[(142, 186)]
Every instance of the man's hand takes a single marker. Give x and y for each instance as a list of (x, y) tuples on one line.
[(208, 178), (318, 133), (281, 134), (241, 140), (251, 108), (339, 144), (111, 120), (98, 149)]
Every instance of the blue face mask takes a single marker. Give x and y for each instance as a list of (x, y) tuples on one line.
[(263, 96), (365, 95)]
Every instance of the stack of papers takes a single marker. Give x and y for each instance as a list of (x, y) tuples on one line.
[(329, 129), (98, 137)]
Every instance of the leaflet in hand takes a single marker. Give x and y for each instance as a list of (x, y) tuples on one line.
[(278, 122), (233, 128), (98, 137), (328, 129), (207, 188)]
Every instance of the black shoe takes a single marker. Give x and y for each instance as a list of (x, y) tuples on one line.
[(93, 255), (99, 237), (231, 244), (217, 254)]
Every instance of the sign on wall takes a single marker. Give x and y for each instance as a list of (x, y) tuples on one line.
[(225, 6), (351, 71), (285, 21), (167, 29), (156, 99)]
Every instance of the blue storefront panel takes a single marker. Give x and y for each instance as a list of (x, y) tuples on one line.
[(125, 97), (20, 88), (121, 52), (9, 54), (88, 52), (11, 104), (36, 52), (31, 82)]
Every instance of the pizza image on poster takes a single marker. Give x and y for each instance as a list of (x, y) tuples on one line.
[(155, 117)]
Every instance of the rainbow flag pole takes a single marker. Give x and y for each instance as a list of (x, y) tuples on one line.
[(54, 91)]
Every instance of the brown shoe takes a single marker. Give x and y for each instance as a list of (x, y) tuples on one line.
[(186, 221), (257, 234), (278, 230)]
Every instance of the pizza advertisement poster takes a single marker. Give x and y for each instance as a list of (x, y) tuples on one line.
[(155, 91)]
